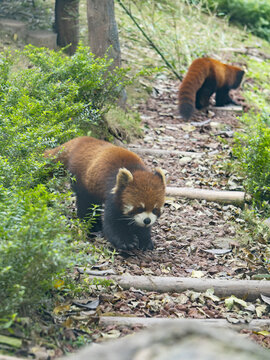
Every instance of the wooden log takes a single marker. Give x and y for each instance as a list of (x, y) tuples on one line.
[(248, 289), (161, 152), (223, 196), (255, 325), (236, 108)]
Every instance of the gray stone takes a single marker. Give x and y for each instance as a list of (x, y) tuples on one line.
[(177, 342)]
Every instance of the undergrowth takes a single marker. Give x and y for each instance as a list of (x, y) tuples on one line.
[(181, 31), (251, 14), (46, 99)]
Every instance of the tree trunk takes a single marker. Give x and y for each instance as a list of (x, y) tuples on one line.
[(102, 30), (67, 23)]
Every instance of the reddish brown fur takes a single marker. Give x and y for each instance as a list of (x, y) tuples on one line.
[(204, 77), (93, 160), (145, 188), (117, 177)]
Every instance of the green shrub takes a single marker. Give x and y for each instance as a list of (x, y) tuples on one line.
[(46, 98), (33, 247), (253, 14), (252, 149), (55, 99)]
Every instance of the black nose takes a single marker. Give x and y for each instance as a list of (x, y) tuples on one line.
[(147, 221)]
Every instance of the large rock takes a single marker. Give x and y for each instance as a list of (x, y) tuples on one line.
[(177, 342)]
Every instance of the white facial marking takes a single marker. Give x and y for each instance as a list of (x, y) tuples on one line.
[(139, 218), (127, 209)]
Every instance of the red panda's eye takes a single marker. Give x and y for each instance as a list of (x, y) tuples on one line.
[(156, 211), (139, 209)]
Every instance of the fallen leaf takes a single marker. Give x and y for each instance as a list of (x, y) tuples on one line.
[(92, 305), (58, 284), (263, 332), (197, 274), (210, 295), (61, 308), (218, 251), (96, 272), (112, 334), (182, 299), (229, 302), (261, 309), (233, 320), (68, 323), (266, 299), (188, 127)]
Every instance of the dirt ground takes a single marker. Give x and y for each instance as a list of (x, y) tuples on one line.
[(190, 233)]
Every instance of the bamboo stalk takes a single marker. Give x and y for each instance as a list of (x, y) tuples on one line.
[(248, 289)]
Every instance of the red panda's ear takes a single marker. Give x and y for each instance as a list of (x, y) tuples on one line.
[(123, 177), (161, 174)]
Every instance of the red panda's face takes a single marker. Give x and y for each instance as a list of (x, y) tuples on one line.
[(142, 197)]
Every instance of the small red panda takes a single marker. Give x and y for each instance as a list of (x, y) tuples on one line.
[(116, 177), (206, 76)]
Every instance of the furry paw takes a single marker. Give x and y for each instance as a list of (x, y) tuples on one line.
[(147, 246), (119, 244)]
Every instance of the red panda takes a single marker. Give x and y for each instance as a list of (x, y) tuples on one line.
[(206, 76), (116, 177)]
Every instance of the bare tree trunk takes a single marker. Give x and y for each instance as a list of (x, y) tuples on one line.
[(67, 23), (102, 29)]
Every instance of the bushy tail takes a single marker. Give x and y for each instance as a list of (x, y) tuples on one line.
[(186, 110), (193, 81)]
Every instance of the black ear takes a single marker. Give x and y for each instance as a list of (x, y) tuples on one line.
[(161, 174), (123, 177)]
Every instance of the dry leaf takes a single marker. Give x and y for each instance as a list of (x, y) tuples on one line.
[(197, 274), (61, 308), (266, 299)]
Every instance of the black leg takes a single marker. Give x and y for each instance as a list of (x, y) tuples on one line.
[(144, 236), (223, 97), (204, 93), (117, 228), (86, 210)]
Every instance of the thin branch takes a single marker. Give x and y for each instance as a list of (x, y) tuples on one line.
[(149, 40)]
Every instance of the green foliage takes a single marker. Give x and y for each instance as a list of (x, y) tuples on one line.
[(33, 245), (257, 86), (252, 149), (253, 14), (179, 29), (47, 98), (55, 99)]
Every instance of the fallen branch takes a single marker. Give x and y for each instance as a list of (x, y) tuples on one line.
[(248, 289), (146, 322), (161, 152), (223, 196)]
